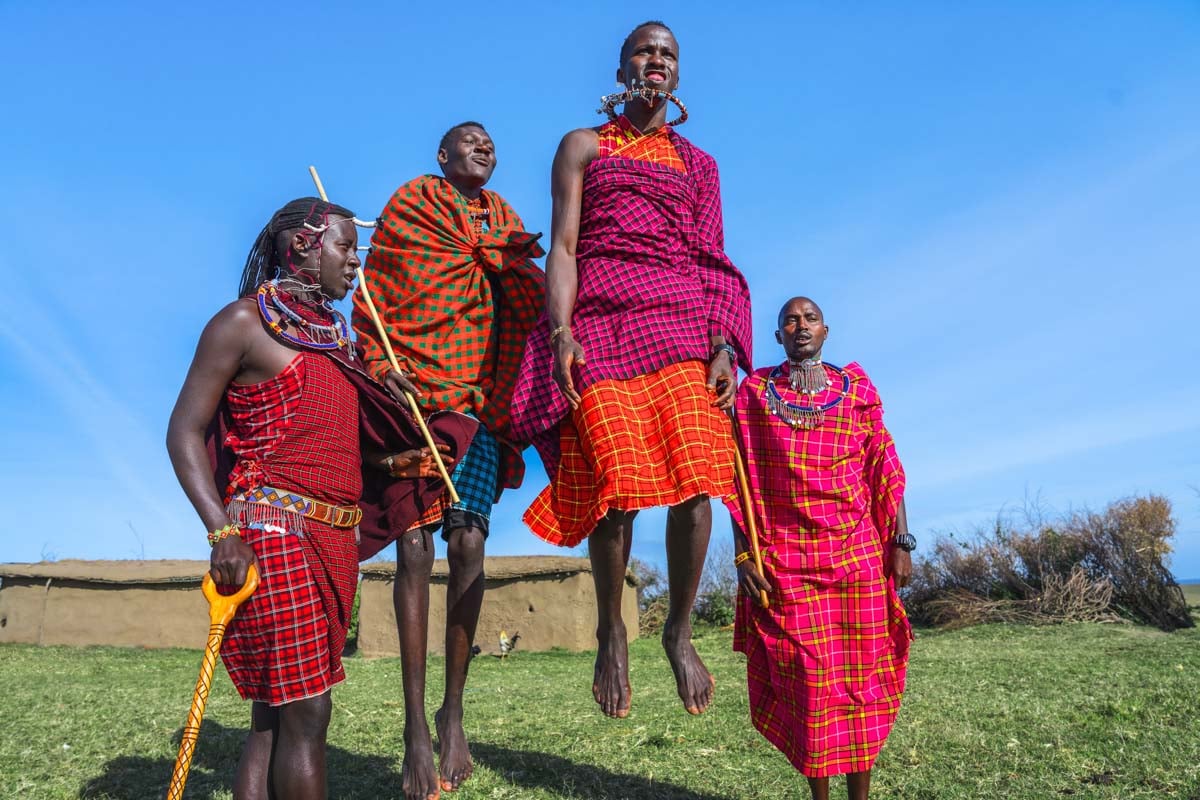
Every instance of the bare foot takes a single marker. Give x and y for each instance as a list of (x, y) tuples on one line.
[(454, 757), (418, 776), (610, 685), (692, 678)]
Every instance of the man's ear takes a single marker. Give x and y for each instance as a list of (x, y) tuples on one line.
[(778, 337), (301, 243), (621, 77), (442, 156)]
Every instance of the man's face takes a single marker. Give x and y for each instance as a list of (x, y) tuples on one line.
[(802, 329), (652, 58), (339, 258), (469, 157)]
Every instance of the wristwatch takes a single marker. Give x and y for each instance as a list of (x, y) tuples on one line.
[(905, 541)]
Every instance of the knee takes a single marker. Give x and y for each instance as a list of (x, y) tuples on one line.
[(697, 510), (464, 551), (414, 553), (308, 718)]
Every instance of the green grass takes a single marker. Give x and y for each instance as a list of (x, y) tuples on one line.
[(1191, 592), (1078, 711)]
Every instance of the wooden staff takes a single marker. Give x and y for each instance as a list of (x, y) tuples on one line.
[(221, 609), (387, 346), (748, 515)]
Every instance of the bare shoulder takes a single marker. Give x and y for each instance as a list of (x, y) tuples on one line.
[(238, 323), (579, 147)]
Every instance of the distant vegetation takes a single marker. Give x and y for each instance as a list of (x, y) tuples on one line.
[(1079, 567)]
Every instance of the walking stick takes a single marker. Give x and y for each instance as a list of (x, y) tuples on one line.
[(744, 489), (221, 608), (387, 346)]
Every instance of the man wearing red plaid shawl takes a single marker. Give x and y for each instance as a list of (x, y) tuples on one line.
[(451, 273), (826, 660), (626, 379), (284, 444)]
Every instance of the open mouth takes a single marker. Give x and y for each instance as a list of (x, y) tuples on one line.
[(482, 161), (657, 76)]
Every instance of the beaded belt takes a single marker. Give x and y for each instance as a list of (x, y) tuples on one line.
[(337, 516)]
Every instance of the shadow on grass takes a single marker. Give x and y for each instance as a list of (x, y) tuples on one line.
[(535, 770), (351, 776)]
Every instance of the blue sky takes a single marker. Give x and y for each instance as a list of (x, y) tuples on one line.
[(995, 204)]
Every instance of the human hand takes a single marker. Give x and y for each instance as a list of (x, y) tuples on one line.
[(721, 381), (567, 354), (751, 580), (416, 463), (230, 559), (398, 384)]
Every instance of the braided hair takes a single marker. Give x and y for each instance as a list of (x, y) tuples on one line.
[(268, 255), (650, 23)]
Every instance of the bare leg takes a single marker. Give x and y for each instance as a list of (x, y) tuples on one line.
[(464, 597), (858, 785), (688, 527), (414, 563), (298, 769), (819, 788), (608, 548), (254, 768)]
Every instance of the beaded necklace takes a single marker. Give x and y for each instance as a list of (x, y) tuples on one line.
[(310, 334), (798, 416), (479, 215)]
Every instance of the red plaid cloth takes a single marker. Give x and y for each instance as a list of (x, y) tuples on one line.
[(826, 663), (654, 283), (621, 138), (458, 304), (650, 441), (286, 641), (300, 431)]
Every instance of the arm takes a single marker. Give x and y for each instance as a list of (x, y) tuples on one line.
[(577, 150), (900, 560), (225, 342), (749, 578)]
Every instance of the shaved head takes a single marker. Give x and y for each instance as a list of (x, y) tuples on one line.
[(798, 299)]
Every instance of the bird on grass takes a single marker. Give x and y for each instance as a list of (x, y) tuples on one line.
[(507, 645)]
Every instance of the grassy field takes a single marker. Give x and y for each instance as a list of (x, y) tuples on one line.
[(1079, 711)]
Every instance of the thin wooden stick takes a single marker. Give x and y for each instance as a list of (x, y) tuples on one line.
[(221, 609), (387, 346), (748, 513), (362, 223)]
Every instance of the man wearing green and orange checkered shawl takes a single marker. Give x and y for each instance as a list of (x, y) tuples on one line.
[(452, 276)]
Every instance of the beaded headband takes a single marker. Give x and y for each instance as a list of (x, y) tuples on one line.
[(646, 94)]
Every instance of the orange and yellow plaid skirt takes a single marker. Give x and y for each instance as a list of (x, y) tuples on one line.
[(653, 440)]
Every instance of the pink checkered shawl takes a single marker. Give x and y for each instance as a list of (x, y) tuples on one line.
[(827, 662), (654, 285)]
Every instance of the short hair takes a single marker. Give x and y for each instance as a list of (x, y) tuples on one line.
[(266, 256), (446, 137), (650, 23)]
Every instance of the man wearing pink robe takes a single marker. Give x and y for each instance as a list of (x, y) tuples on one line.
[(826, 660)]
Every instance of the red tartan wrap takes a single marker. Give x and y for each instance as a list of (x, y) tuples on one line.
[(390, 506), (457, 305)]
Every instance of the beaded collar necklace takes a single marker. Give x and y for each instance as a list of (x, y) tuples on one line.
[(309, 334), (798, 416)]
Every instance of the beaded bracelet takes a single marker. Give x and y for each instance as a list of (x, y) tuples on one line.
[(742, 558), (222, 533), (557, 332)]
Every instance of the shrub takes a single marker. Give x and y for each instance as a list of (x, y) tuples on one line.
[(1082, 567)]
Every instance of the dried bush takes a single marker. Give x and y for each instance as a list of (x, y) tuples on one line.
[(1087, 567)]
